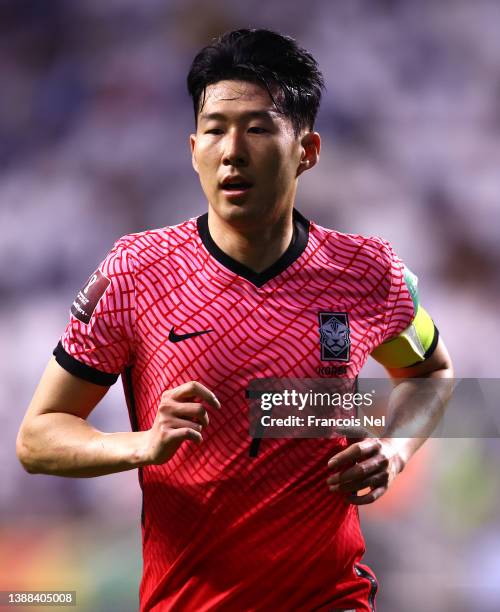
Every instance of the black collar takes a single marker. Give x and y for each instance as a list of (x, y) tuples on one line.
[(293, 252)]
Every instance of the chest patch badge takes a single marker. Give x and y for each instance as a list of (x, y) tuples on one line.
[(334, 336), (87, 299)]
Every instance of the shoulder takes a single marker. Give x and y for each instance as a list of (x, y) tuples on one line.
[(139, 250), (358, 248)]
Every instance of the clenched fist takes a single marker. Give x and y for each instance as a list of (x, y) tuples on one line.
[(369, 464), (181, 416)]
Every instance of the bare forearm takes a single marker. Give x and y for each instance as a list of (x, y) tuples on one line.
[(66, 445), (415, 410)]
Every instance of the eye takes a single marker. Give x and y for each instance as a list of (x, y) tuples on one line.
[(215, 131), (257, 130)]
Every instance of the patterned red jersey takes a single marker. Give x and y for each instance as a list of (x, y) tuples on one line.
[(226, 528)]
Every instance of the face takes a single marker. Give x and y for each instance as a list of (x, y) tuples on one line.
[(247, 155)]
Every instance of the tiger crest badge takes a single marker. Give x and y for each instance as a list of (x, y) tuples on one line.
[(334, 333)]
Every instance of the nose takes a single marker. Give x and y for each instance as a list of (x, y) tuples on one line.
[(235, 153)]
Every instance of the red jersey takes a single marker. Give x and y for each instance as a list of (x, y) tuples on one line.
[(226, 528)]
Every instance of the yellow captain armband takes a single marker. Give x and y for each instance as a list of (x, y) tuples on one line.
[(412, 346)]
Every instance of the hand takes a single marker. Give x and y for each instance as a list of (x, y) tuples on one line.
[(179, 418), (371, 463)]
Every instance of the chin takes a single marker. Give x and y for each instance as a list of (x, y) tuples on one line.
[(237, 211)]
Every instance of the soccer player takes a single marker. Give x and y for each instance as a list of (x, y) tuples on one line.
[(189, 314)]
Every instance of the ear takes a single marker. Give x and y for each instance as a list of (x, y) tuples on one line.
[(192, 142), (311, 145)]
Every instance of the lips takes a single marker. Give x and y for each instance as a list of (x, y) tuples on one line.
[(235, 184)]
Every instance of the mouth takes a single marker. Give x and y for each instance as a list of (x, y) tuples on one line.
[(235, 187)]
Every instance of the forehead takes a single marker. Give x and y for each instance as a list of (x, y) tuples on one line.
[(227, 96)]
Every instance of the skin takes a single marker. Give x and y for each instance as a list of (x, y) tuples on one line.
[(238, 134), (55, 437), (371, 465)]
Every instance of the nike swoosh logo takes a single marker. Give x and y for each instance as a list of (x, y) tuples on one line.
[(173, 337)]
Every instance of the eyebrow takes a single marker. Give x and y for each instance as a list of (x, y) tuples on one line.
[(248, 115)]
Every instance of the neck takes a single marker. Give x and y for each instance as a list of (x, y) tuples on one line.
[(255, 248)]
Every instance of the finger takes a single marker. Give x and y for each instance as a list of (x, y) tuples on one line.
[(185, 433), (192, 411), (352, 454), (369, 498), (372, 482), (355, 434), (177, 423), (358, 434), (357, 472), (194, 389)]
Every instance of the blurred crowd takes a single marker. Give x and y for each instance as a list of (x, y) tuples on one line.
[(94, 125)]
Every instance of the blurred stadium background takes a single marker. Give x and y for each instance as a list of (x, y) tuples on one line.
[(94, 124)]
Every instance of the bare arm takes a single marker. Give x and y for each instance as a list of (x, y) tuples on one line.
[(408, 410), (373, 463), (55, 437)]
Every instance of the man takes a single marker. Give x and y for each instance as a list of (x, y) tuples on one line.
[(189, 315)]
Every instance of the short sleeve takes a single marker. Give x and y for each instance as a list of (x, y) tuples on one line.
[(98, 342), (402, 297)]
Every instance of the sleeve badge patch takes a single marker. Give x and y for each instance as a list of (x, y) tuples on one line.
[(87, 299)]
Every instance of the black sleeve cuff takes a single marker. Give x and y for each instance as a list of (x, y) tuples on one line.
[(430, 350), (434, 343), (77, 368)]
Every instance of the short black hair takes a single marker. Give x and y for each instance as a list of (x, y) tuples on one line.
[(289, 73)]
